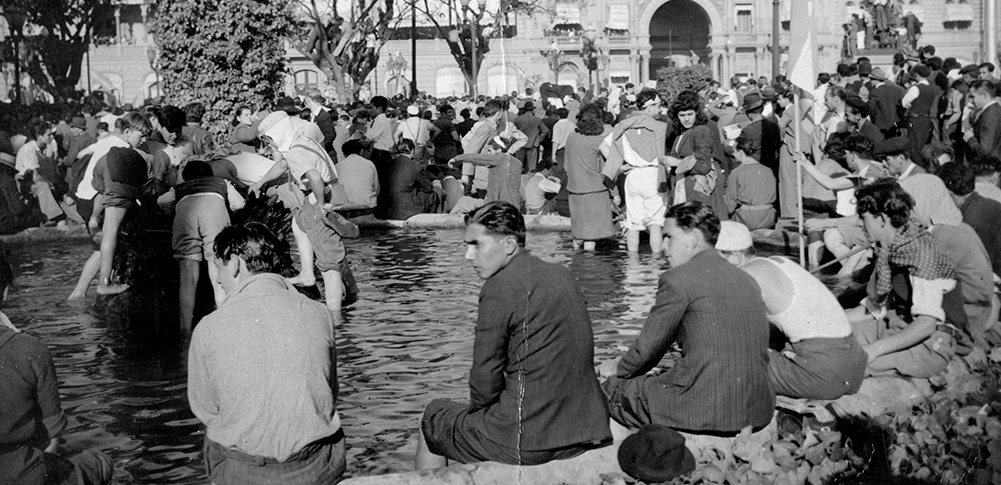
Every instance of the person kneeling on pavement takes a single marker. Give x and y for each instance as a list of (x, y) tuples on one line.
[(822, 360)]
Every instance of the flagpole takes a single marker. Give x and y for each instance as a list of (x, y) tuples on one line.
[(797, 121)]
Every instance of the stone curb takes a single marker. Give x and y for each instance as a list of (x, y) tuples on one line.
[(36, 235)]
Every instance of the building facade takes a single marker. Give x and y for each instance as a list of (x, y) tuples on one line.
[(636, 38)]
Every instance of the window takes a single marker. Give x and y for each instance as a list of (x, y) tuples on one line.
[(305, 79), (744, 18)]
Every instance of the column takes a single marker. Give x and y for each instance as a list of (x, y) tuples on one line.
[(118, 25)]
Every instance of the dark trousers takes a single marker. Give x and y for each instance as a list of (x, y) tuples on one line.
[(322, 461), (920, 136)]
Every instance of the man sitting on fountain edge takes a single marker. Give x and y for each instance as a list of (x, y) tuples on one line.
[(534, 396)]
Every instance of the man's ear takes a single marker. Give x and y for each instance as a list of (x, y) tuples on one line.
[(510, 245)]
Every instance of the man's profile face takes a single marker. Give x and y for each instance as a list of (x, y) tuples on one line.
[(878, 229), (227, 273), (489, 253), (852, 116), (980, 98), (984, 73), (680, 245)]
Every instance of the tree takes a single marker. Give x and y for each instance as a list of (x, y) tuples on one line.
[(223, 53), (460, 40), (67, 26), (347, 50)]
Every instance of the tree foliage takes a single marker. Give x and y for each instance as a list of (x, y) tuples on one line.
[(222, 53), (673, 80), (346, 49), (66, 29), (443, 13)]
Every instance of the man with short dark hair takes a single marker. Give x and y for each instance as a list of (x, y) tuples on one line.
[(200, 138), (715, 313), (981, 213), (920, 105), (907, 322), (534, 396), (895, 155), (983, 136), (857, 115), (262, 372), (986, 71), (448, 142), (380, 131)]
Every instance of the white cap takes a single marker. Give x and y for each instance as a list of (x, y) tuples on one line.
[(412, 110), (733, 236), (954, 75)]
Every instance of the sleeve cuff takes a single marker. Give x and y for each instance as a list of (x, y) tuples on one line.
[(55, 425)]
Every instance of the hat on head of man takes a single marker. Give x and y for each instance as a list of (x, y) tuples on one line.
[(655, 454), (78, 122), (733, 236), (413, 110), (893, 146), (970, 69), (768, 92), (752, 101), (864, 69), (921, 70), (877, 74)]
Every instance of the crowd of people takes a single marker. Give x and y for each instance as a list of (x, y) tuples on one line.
[(899, 177)]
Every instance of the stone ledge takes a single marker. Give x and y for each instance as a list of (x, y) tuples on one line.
[(457, 221), (36, 235), (585, 469)]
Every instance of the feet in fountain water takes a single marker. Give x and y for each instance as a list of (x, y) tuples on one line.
[(302, 280), (76, 295), (111, 289)]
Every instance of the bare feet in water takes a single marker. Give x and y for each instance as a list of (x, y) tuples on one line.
[(302, 280), (110, 289), (76, 295)]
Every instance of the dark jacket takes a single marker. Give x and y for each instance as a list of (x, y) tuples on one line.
[(715, 313), (986, 133), (326, 124), (532, 385), (884, 105), (405, 189), (871, 131), (984, 215)]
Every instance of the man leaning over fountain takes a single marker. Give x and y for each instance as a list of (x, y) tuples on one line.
[(534, 396)]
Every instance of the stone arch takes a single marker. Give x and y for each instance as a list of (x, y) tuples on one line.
[(716, 24)]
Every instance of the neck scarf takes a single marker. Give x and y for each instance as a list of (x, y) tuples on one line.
[(916, 250)]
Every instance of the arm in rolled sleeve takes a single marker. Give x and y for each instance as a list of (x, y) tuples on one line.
[(202, 396), (659, 331), (486, 378)]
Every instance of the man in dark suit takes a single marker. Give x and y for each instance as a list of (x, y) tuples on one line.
[(765, 131), (534, 396), (884, 103), (715, 313), (532, 127), (320, 116), (857, 114), (983, 136)]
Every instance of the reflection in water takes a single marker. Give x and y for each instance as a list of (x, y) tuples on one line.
[(407, 341)]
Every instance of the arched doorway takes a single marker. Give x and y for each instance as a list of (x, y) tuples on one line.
[(678, 29)]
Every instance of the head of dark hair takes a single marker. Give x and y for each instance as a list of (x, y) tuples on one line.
[(493, 107), (237, 111), (844, 70), (194, 112), (445, 108), (932, 151), (935, 63), (252, 241), (694, 215), (860, 146), (958, 178), (885, 198), (590, 120), (479, 111), (499, 218), (196, 169), (835, 149), (380, 102), (465, 113), (986, 86), (102, 126), (38, 129), (352, 147), (645, 96), (544, 164), (405, 146), (988, 65), (171, 118), (823, 78), (687, 100), (987, 164), (749, 146), (562, 113), (838, 92)]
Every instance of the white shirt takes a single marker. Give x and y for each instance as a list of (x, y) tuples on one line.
[(99, 149), (29, 157), (912, 94)]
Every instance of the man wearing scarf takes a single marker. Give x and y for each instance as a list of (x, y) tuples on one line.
[(914, 310)]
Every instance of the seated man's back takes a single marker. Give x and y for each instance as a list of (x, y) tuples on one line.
[(534, 393)]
